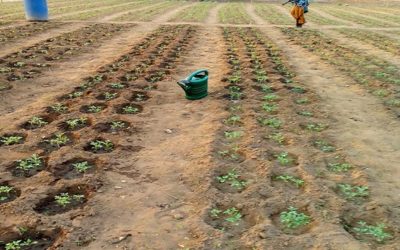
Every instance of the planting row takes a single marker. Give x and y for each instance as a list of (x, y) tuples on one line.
[(150, 13), (380, 77), (234, 13), (196, 13), (31, 62)]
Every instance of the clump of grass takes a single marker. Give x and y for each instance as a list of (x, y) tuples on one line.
[(290, 179), (293, 219), (30, 163), (377, 232), (324, 146), (351, 192), (10, 140), (65, 199), (233, 179), (82, 167), (5, 192)]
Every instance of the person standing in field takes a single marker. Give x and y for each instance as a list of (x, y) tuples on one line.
[(299, 9)]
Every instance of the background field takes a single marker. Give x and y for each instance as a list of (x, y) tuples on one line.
[(297, 145)]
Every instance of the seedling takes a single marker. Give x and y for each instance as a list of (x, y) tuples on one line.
[(277, 137), (377, 232), (305, 113), (235, 108), (37, 122), (130, 110), (290, 179), (232, 178), (5, 192), (269, 107), (115, 125), (302, 101), (94, 109), (293, 219), (262, 78), (10, 140), (351, 192), (231, 153), (82, 167), (234, 215), (236, 78), (393, 102), (339, 167), (59, 140), (270, 97), (30, 163), (232, 134), (317, 127), (381, 92), (117, 85), (324, 146), (270, 122), (284, 158), (215, 212), (266, 89), (64, 199), (59, 108), (20, 244), (75, 94), (100, 145), (299, 90), (76, 122), (233, 120), (109, 96), (139, 97)]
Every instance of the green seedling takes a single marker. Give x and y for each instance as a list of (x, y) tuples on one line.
[(298, 90), (139, 97), (233, 120), (339, 167), (234, 215), (215, 212), (59, 108), (20, 244), (117, 85), (94, 109), (270, 122), (269, 107), (290, 179), (76, 122), (284, 158), (324, 146), (109, 96), (393, 102), (270, 97), (59, 140), (232, 178), (232, 134), (75, 94), (293, 219), (30, 163), (302, 101), (37, 121), (277, 137), (231, 153), (5, 192), (65, 199), (235, 78), (130, 110), (262, 78), (377, 232), (99, 145), (10, 140), (115, 125), (235, 108), (266, 89), (381, 92), (351, 192), (317, 127), (305, 113), (82, 167)]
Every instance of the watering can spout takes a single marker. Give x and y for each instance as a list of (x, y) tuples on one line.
[(184, 84)]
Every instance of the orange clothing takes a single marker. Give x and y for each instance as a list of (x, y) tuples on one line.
[(298, 14)]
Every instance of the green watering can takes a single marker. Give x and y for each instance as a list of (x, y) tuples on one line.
[(195, 85)]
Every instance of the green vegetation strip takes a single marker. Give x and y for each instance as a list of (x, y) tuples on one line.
[(197, 13), (271, 14), (234, 13)]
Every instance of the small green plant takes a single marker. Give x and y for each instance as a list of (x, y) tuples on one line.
[(99, 145), (266, 89), (117, 85), (115, 125), (305, 113), (290, 179), (232, 178), (302, 101), (277, 137), (30, 163), (393, 102), (232, 134), (270, 122), (37, 121), (270, 97), (236, 78), (109, 96), (231, 153), (5, 192), (20, 244), (76, 122), (284, 158), (351, 192), (75, 94), (59, 139), (64, 199), (269, 107), (324, 146), (381, 92), (139, 97), (317, 127), (297, 89), (339, 167), (130, 110), (235, 108), (377, 232), (233, 120), (233, 214), (59, 108), (82, 167), (293, 219), (94, 109), (215, 212), (10, 140)]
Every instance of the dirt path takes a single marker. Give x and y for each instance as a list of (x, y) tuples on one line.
[(357, 116), (163, 189), (22, 43), (213, 15)]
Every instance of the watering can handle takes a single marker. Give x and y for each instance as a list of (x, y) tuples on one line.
[(198, 72)]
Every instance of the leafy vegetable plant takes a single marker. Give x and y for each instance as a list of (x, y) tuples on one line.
[(294, 219)]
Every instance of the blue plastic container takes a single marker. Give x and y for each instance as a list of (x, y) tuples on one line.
[(36, 10)]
